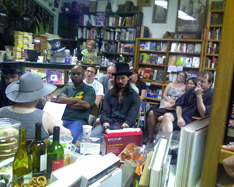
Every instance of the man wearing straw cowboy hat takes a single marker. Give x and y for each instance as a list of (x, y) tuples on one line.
[(25, 94), (121, 103)]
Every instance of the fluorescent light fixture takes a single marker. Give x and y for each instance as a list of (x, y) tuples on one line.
[(161, 3), (184, 16)]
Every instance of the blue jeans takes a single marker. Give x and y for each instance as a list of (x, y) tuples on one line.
[(142, 104), (98, 130), (75, 127)]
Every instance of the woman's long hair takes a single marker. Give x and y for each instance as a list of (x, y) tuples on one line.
[(134, 71)]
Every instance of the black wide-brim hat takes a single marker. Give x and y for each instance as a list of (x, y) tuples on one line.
[(122, 69), (10, 68)]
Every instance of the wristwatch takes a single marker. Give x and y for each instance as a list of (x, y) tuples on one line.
[(106, 127)]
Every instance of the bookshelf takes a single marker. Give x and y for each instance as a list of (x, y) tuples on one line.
[(212, 170), (161, 55), (213, 38), (120, 33)]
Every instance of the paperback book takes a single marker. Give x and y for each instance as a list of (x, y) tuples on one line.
[(55, 77), (190, 48)]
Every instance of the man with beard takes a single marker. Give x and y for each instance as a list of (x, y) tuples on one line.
[(121, 103), (79, 98), (196, 101)]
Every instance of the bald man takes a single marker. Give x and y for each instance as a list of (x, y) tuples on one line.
[(79, 98)]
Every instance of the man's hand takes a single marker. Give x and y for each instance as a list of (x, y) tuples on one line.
[(172, 101), (106, 125), (64, 95), (198, 91), (181, 122), (125, 125)]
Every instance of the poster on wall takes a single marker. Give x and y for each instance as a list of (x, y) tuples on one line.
[(191, 16)]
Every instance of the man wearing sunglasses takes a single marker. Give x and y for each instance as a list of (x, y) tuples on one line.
[(10, 73), (79, 98), (90, 73)]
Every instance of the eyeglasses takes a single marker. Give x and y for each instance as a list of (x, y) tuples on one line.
[(73, 74), (201, 81), (88, 71)]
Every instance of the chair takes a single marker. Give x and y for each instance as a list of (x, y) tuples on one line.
[(93, 114)]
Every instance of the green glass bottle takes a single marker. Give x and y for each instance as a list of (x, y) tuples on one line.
[(55, 154), (22, 165), (38, 152)]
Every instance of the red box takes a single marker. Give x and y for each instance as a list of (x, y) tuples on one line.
[(115, 141)]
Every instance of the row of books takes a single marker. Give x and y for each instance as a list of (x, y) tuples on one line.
[(211, 62), (186, 47), (142, 31), (152, 58), (218, 5), (215, 33), (113, 47), (113, 21), (184, 61), (216, 19), (87, 20), (153, 46), (154, 92), (86, 33), (213, 48), (120, 34), (92, 6), (148, 73)]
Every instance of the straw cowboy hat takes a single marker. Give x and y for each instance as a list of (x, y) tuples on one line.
[(29, 87), (122, 69)]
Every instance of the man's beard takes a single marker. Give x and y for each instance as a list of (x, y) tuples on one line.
[(121, 86)]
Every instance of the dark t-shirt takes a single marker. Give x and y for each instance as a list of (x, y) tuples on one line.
[(141, 86)]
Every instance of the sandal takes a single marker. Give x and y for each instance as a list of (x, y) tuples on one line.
[(148, 140)]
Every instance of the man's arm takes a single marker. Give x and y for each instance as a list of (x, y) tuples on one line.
[(98, 99), (63, 98), (180, 120), (200, 105)]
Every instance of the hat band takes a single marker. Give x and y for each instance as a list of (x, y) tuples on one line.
[(31, 90)]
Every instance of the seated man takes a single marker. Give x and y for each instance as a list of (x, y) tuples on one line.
[(121, 104), (79, 98), (108, 80), (90, 73), (194, 102)]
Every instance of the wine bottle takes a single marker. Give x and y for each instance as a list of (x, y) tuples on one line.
[(55, 154), (38, 152), (22, 165)]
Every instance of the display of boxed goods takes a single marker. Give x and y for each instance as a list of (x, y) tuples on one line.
[(9, 130), (124, 143)]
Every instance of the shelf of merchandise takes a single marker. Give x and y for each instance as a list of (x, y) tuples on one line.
[(213, 38)]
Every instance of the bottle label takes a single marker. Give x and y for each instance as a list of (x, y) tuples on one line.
[(27, 177), (43, 161), (56, 164)]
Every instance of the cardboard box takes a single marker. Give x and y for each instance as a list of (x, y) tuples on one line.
[(115, 141)]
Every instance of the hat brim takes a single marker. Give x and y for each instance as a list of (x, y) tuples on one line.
[(128, 73), (14, 95)]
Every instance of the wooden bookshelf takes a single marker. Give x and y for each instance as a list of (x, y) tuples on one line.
[(221, 102)]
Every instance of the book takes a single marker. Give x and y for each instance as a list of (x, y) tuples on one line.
[(196, 62), (142, 46), (190, 48), (147, 72), (146, 59), (157, 162), (191, 152), (147, 45), (181, 47), (173, 46), (145, 176), (172, 60), (180, 61), (158, 46), (141, 72), (152, 58), (54, 77), (152, 46), (155, 75), (69, 80), (160, 74), (164, 47), (197, 48), (188, 62)]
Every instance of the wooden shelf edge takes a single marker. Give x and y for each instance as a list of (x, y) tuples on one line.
[(224, 154), (152, 99)]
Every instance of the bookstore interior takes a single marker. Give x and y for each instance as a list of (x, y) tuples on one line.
[(156, 38)]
